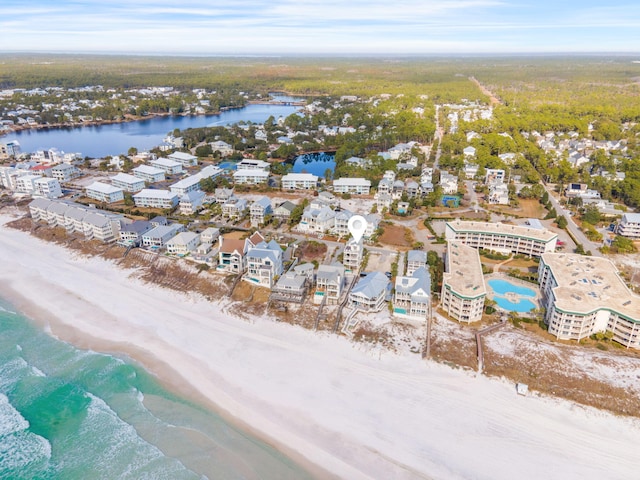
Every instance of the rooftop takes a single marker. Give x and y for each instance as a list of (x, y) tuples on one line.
[(104, 188), (501, 228), (464, 270), (586, 284)]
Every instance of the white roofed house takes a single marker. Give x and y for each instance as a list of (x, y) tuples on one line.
[(223, 147), (370, 292), (415, 260), (234, 209), (259, 210), (128, 183), (156, 199), (299, 181), (170, 167), (159, 236), (448, 182), (104, 192), (359, 186), (494, 176), (317, 220), (629, 225), (469, 151), (498, 194), (183, 243), (412, 297), (191, 202), (149, 174), (329, 284), (186, 159), (250, 177), (264, 264), (352, 254)]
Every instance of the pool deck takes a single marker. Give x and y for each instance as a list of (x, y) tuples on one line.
[(513, 297)]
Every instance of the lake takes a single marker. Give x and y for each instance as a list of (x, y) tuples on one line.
[(116, 139), (314, 163)]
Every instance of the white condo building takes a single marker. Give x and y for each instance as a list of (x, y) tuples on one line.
[(463, 289), (630, 225), (149, 174), (128, 183), (583, 295), (358, 186), (170, 167), (299, 181), (502, 237), (185, 159), (155, 198), (103, 192)]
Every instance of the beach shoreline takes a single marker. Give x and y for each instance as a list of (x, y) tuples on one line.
[(317, 398)]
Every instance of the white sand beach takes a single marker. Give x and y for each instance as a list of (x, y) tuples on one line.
[(318, 396)]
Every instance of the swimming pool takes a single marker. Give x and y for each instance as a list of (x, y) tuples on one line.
[(522, 306), (509, 296), (500, 287)]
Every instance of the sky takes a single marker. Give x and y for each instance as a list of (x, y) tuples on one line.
[(319, 27)]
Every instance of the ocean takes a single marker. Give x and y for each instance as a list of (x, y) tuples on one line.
[(67, 413)]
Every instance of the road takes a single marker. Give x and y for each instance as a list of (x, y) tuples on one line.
[(571, 225)]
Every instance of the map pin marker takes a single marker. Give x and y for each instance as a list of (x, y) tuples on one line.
[(357, 225)]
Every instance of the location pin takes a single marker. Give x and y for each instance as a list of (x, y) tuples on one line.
[(357, 225)]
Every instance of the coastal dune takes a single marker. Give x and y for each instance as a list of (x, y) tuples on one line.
[(339, 406)]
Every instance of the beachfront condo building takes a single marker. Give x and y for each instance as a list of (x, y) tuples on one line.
[(47, 187), (463, 289), (501, 237), (65, 172), (584, 295)]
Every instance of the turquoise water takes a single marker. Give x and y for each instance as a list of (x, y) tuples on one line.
[(501, 287), (522, 306), (67, 413)]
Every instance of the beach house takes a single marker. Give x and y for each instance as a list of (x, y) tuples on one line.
[(231, 255), (158, 236), (329, 284), (283, 211), (183, 243), (264, 264), (259, 210), (370, 292), (415, 259), (131, 233), (412, 296), (235, 208), (191, 202), (290, 287), (352, 254)]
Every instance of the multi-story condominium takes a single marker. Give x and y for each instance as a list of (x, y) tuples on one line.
[(158, 236), (183, 243), (191, 203), (412, 297), (234, 208), (103, 192), (185, 159), (251, 177), (415, 259), (352, 254), (264, 264), (463, 289), (131, 233), (65, 172), (186, 185), (329, 284), (155, 199), (24, 183), (370, 292), (259, 210), (358, 186), (502, 237), (231, 255), (128, 183), (92, 223), (8, 177), (9, 149), (583, 295), (47, 187), (170, 167), (299, 181), (252, 164), (629, 225), (149, 174)]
